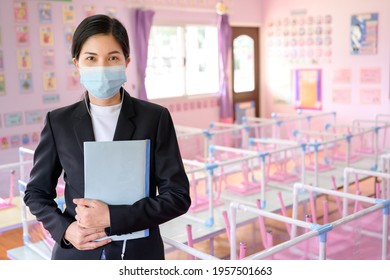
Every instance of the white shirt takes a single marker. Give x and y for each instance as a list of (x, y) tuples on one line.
[(104, 120)]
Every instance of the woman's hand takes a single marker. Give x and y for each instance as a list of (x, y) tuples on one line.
[(92, 213), (84, 238)]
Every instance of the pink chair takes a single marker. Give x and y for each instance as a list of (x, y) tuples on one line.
[(243, 245), (311, 247), (246, 187), (281, 174), (190, 240), (7, 202), (200, 201)]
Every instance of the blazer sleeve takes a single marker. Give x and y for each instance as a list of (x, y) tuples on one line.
[(41, 188), (173, 197)]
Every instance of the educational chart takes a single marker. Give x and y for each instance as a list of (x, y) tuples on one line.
[(364, 33), (370, 81), (307, 84), (341, 82), (298, 40)]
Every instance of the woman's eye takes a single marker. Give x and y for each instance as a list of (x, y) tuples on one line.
[(113, 58), (90, 58)]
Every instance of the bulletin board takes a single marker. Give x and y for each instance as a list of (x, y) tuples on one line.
[(308, 89)]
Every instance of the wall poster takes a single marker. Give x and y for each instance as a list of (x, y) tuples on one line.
[(364, 33), (308, 87), (370, 96)]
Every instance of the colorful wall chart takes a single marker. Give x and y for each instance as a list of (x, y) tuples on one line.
[(308, 85), (364, 33)]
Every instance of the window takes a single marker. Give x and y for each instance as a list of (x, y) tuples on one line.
[(244, 64), (182, 61)]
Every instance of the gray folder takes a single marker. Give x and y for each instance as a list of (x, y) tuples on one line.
[(117, 173)]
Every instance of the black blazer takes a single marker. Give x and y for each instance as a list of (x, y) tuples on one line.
[(61, 150)]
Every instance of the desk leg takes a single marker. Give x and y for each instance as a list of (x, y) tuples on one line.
[(212, 246)]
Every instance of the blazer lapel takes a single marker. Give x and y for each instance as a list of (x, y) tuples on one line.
[(125, 127), (123, 131), (83, 126)]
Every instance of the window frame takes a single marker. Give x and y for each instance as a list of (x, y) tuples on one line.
[(185, 94)]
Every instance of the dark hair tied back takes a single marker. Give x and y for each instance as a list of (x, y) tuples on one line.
[(100, 24)]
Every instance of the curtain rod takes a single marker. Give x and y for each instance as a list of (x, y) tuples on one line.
[(178, 8)]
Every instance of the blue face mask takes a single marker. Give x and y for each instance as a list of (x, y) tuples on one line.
[(103, 81)]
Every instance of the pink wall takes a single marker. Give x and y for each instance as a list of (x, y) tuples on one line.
[(277, 68), (32, 105), (26, 110), (205, 108)]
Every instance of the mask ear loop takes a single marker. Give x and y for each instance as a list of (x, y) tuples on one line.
[(86, 104)]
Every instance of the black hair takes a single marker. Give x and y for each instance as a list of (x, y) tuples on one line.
[(99, 24)]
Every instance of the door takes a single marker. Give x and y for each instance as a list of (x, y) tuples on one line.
[(245, 72)]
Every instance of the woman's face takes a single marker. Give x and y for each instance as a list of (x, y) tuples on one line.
[(101, 50)]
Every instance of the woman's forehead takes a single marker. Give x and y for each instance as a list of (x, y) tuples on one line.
[(101, 44)]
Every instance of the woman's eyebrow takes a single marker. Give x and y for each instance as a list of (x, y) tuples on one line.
[(114, 52), (92, 53)]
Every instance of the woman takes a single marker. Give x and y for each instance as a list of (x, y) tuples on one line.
[(100, 50)]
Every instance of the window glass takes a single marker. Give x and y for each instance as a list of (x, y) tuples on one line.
[(182, 60), (165, 66), (244, 64), (202, 60)]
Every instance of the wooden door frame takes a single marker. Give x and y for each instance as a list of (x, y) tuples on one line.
[(243, 97)]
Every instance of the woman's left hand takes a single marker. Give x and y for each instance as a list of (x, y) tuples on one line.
[(92, 213)]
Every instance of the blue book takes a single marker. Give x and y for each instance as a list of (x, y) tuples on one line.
[(117, 173)]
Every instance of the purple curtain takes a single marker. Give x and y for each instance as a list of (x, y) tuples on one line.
[(224, 42), (143, 20)]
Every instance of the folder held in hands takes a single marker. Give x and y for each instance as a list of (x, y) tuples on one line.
[(117, 173)]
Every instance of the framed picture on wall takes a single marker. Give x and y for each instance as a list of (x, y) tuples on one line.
[(364, 33), (89, 10), (308, 88), (20, 11), (68, 13), (22, 35), (49, 81), (48, 58), (45, 12), (2, 84), (1, 61), (244, 109), (23, 57), (25, 82), (46, 37)]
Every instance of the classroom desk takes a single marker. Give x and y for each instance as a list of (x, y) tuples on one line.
[(27, 253), (176, 228), (11, 218)]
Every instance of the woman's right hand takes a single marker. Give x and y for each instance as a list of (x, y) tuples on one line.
[(84, 238)]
